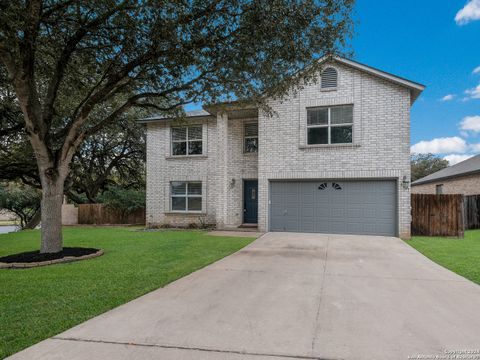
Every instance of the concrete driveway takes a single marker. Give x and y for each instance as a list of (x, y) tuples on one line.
[(290, 296)]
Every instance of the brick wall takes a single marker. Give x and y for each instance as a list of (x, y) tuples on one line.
[(381, 138), (221, 173), (466, 185), (241, 166), (162, 168), (381, 150)]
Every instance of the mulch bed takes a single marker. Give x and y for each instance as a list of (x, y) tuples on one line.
[(34, 258)]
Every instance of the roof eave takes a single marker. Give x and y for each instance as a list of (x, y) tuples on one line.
[(159, 119), (229, 106), (429, 181)]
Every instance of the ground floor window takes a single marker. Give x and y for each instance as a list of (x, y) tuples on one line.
[(186, 195)]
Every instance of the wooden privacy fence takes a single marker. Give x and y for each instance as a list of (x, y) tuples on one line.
[(99, 214), (472, 211), (437, 215)]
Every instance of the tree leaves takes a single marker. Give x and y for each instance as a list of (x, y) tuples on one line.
[(426, 164)]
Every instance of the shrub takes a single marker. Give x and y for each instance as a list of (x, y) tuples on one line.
[(22, 200), (125, 200)]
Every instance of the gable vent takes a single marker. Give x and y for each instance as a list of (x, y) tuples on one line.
[(329, 78)]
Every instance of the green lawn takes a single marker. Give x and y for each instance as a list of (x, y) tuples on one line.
[(41, 302), (459, 255)]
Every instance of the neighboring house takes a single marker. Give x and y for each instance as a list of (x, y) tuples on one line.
[(462, 178), (333, 158)]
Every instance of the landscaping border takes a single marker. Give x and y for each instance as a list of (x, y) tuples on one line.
[(66, 259)]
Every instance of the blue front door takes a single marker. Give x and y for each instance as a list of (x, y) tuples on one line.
[(250, 201)]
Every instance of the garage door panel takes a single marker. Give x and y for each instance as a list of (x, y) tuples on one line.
[(359, 198), (292, 225), (338, 214), (277, 224), (291, 199), (337, 227), (307, 225), (292, 211), (322, 212), (307, 202), (277, 197), (386, 215), (351, 207), (277, 213), (322, 227)]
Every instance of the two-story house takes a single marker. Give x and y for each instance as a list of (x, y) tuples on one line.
[(333, 157)]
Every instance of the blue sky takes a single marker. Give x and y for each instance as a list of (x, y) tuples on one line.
[(426, 41)]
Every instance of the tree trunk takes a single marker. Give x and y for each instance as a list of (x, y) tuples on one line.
[(51, 210)]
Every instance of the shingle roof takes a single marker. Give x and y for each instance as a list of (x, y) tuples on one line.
[(188, 114), (465, 167)]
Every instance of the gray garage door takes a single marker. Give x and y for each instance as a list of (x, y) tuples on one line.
[(334, 207)]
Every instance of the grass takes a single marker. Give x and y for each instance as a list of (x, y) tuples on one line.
[(459, 255), (41, 302)]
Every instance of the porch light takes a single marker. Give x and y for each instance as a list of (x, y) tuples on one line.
[(405, 182)]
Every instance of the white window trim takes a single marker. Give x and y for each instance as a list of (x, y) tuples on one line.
[(244, 137), (187, 140), (329, 126), (186, 196)]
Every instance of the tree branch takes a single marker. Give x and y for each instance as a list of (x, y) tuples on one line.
[(66, 54)]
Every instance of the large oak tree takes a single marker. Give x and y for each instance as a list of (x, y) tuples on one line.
[(71, 61), (113, 156)]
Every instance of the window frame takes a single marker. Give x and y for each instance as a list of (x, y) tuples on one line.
[(439, 189), (187, 139), (329, 126), (245, 137), (186, 196)]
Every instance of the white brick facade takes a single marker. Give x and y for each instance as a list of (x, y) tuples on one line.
[(380, 150)]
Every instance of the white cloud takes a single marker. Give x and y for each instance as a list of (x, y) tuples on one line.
[(475, 147), (455, 158), (443, 145), (473, 93), (447, 97), (470, 123), (476, 70), (470, 12)]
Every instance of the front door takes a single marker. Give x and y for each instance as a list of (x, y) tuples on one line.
[(250, 201)]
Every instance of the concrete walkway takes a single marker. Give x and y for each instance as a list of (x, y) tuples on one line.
[(290, 296)]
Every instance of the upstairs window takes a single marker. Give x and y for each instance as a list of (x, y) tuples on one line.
[(329, 78), (250, 132), (187, 140), (330, 125), (186, 196)]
